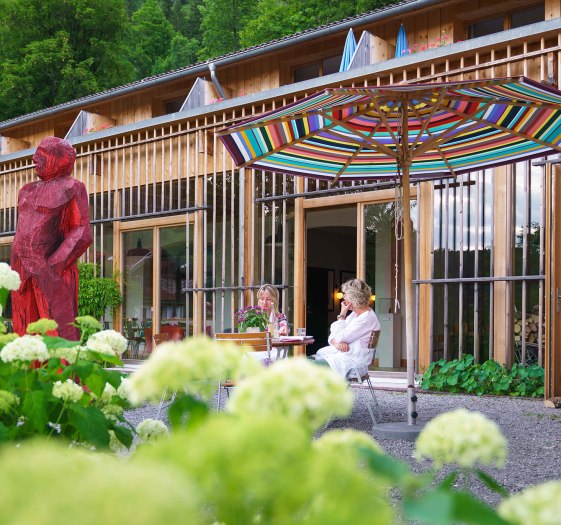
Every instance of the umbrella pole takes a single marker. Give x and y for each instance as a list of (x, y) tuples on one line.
[(408, 278)]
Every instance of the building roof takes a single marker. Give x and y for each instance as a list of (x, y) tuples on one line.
[(403, 7)]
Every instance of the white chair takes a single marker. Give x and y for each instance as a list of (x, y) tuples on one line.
[(354, 376)]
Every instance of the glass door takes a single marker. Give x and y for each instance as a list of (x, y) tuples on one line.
[(383, 255)]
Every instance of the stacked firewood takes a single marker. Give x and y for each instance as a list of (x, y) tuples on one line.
[(532, 323)]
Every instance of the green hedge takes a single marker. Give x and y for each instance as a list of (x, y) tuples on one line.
[(490, 377)]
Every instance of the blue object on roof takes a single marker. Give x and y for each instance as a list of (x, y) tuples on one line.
[(401, 43), (348, 51)]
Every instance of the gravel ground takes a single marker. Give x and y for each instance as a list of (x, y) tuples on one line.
[(533, 432)]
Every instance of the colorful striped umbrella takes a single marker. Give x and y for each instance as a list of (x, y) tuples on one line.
[(405, 133)]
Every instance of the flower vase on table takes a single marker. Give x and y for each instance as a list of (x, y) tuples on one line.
[(251, 319)]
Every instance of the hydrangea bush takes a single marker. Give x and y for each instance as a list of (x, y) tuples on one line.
[(254, 464)]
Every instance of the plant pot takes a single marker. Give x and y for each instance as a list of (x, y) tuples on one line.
[(252, 330)]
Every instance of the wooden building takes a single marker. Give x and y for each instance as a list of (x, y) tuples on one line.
[(193, 237)]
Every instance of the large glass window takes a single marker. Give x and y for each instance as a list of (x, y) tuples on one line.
[(384, 273)]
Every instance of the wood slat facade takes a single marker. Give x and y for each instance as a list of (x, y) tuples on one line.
[(169, 209)]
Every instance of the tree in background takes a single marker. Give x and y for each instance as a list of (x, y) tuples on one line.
[(61, 50), (221, 24), (65, 49), (150, 37)]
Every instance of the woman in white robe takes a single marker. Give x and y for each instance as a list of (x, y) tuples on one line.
[(350, 335)]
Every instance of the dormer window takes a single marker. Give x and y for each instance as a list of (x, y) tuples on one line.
[(317, 69), (510, 20)]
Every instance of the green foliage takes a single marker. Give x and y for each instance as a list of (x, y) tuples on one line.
[(36, 409), (62, 49), (150, 35), (96, 294), (490, 377), (65, 49)]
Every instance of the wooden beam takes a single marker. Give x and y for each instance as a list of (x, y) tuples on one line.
[(425, 203), (502, 235)]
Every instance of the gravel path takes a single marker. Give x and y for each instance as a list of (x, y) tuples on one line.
[(533, 432)]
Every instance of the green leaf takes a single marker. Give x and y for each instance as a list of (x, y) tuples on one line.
[(446, 507), (91, 424), (4, 432), (111, 359), (491, 483), (82, 369), (96, 384), (394, 470), (34, 408), (58, 342), (123, 434), (187, 411), (448, 481)]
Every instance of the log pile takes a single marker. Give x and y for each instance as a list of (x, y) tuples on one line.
[(532, 323)]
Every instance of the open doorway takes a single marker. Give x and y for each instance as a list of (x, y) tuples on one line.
[(331, 259)]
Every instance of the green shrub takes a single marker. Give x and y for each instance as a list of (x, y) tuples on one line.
[(96, 294), (490, 377)]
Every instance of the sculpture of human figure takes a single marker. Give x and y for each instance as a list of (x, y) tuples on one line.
[(53, 231)]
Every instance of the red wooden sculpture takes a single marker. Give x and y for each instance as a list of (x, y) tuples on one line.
[(53, 230)]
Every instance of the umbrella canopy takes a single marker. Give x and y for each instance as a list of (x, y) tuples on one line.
[(414, 132), (348, 51), (401, 46), (358, 133)]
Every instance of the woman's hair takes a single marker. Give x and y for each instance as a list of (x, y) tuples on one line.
[(273, 292), (357, 292)]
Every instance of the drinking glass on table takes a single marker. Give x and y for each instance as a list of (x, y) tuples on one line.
[(301, 332)]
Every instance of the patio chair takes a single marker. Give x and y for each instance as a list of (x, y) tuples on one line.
[(354, 376), (257, 342)]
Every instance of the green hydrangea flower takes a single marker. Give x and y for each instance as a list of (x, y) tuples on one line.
[(346, 442), (150, 430), (538, 505), (42, 326), (295, 388), (253, 470), (463, 438), (194, 365), (47, 483), (8, 402), (88, 322)]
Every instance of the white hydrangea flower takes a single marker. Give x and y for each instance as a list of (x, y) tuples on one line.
[(68, 391), (306, 393), (68, 354), (463, 438), (346, 439), (108, 393), (100, 347), (194, 365), (9, 279), (25, 348), (538, 505), (149, 430), (114, 339), (124, 389), (112, 411)]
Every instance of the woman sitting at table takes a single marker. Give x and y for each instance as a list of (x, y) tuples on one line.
[(350, 335), (268, 300)]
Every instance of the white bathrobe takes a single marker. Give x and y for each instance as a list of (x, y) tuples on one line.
[(354, 330)]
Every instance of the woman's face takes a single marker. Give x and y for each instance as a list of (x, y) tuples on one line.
[(266, 301)]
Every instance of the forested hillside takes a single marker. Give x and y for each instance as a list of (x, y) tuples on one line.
[(52, 51)]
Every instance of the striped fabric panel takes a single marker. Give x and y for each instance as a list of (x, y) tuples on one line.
[(354, 133)]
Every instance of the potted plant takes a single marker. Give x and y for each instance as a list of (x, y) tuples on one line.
[(96, 294), (251, 319)]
